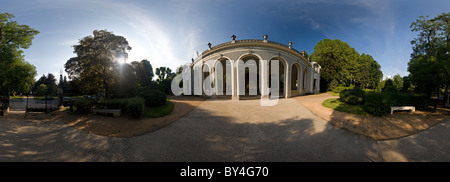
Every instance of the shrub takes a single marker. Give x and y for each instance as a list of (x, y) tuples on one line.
[(353, 96), (339, 89), (153, 98), (376, 103), (135, 107), (84, 106)]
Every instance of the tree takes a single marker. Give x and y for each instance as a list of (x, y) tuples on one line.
[(144, 73), (165, 76), (42, 90), (369, 73), (49, 81), (339, 61), (16, 74), (398, 82), (97, 61), (408, 87), (127, 85), (429, 66)]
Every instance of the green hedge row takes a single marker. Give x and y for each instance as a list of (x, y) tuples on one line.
[(353, 96), (131, 106), (379, 103)]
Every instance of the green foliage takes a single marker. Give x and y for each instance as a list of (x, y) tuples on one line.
[(136, 107), (165, 77), (49, 81), (429, 66), (336, 58), (153, 97), (144, 73), (336, 104), (389, 86), (84, 106), (156, 112), (42, 90), (16, 74), (376, 103), (398, 82), (339, 89), (353, 96), (368, 73), (127, 86), (97, 61), (133, 107)]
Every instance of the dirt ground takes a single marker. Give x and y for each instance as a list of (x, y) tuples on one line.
[(122, 127), (397, 125)]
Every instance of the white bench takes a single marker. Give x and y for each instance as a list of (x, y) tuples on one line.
[(403, 108), (116, 112)]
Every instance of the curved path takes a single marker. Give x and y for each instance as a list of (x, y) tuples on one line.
[(219, 130)]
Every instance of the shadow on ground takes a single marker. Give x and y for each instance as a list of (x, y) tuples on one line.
[(220, 131)]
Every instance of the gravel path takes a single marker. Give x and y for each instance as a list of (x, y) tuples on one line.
[(220, 131)]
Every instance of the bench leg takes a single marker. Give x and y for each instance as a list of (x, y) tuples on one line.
[(392, 111)]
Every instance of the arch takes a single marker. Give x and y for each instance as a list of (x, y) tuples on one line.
[(248, 84), (295, 79), (282, 73), (305, 80), (206, 73), (223, 78)]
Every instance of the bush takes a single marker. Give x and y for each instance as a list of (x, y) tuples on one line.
[(376, 103), (421, 102), (84, 106), (135, 107), (353, 96), (153, 98), (339, 89)]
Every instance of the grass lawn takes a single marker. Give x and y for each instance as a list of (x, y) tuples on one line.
[(336, 104), (156, 112)]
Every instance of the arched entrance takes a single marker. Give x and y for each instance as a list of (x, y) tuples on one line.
[(282, 79), (206, 78), (295, 79), (223, 81), (250, 69)]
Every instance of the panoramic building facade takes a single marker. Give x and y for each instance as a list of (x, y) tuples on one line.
[(243, 68)]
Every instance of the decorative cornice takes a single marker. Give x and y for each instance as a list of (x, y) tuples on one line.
[(256, 43)]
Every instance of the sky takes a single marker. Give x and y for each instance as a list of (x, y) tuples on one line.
[(169, 32)]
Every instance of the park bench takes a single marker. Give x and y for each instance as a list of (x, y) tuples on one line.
[(403, 108), (115, 112)]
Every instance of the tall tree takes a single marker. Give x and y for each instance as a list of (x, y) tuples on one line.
[(398, 82), (338, 59), (429, 66), (127, 84), (16, 74), (163, 73), (97, 61), (49, 81), (144, 72)]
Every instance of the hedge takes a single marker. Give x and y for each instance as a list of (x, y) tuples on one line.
[(353, 96), (376, 103), (84, 106), (153, 98), (131, 106)]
